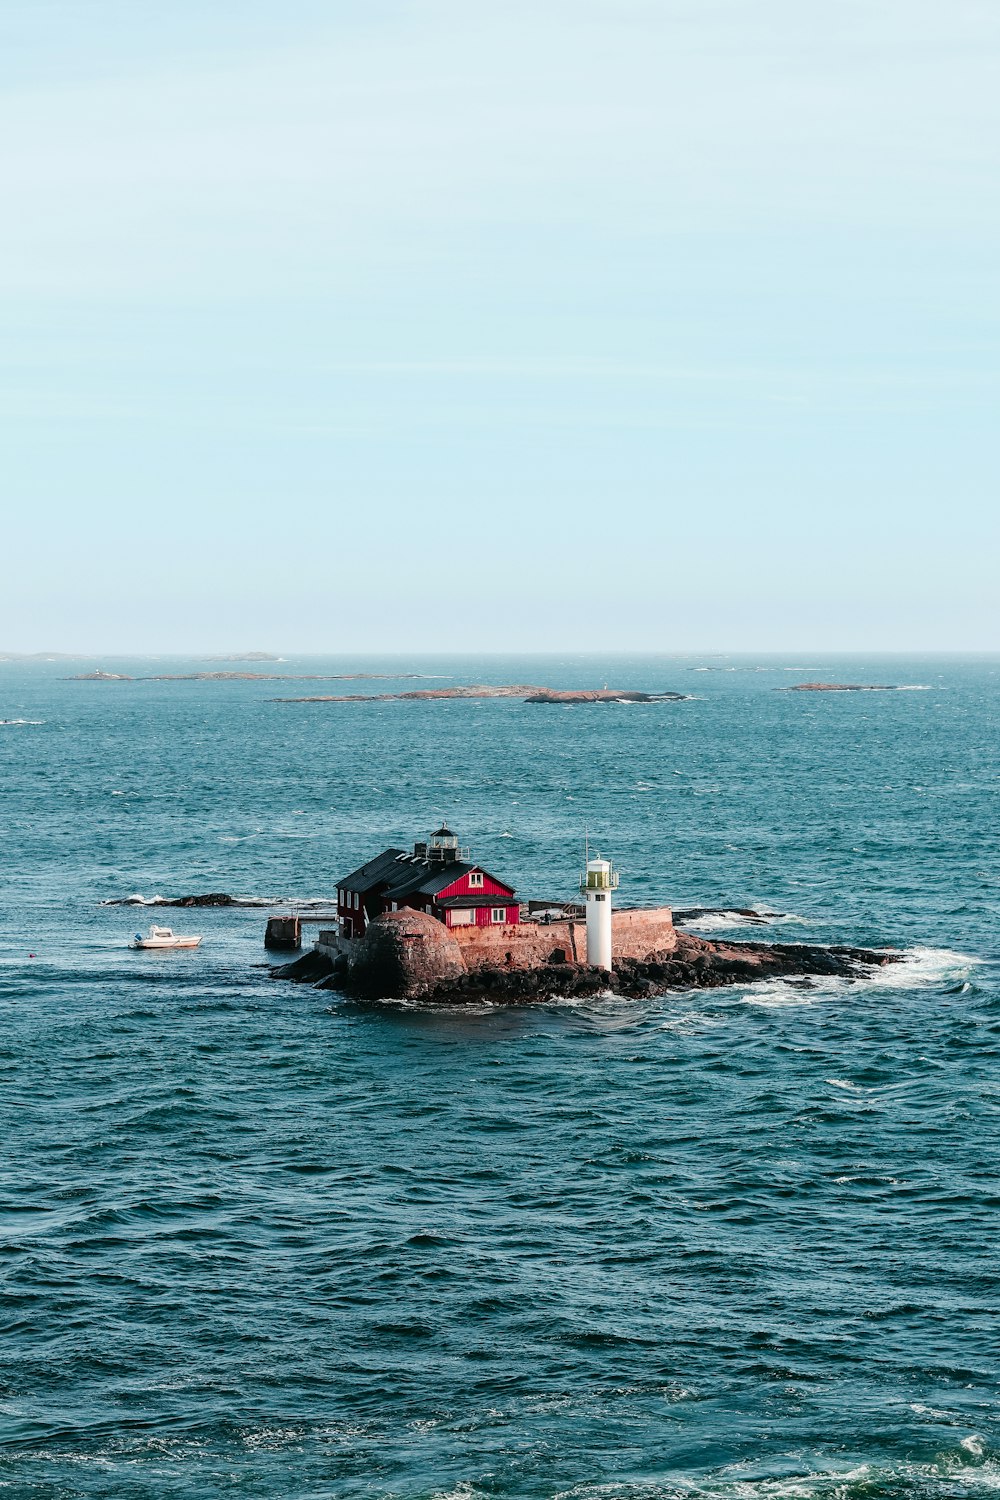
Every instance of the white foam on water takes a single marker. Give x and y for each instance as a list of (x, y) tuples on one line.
[(923, 968), (690, 1022), (965, 1473), (779, 994), (918, 968), (868, 1180), (724, 918), (719, 921), (13, 723)]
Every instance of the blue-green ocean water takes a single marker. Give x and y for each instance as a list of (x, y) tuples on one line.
[(258, 1240)]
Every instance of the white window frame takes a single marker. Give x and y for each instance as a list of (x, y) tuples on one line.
[(476, 879), (463, 916), (498, 915)]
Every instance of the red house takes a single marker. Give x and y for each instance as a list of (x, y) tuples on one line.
[(437, 878)]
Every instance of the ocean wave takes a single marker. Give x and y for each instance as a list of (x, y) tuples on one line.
[(963, 1471), (135, 900), (916, 968), (715, 919), (302, 903), (484, 1005), (778, 994), (926, 968), (14, 723)]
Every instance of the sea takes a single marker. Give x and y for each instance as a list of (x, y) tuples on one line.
[(259, 1239)]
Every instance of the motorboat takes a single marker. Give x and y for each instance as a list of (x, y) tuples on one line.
[(163, 937)]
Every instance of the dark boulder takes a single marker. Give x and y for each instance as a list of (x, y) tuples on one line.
[(308, 969), (404, 953)]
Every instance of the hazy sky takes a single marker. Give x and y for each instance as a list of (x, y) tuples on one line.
[(337, 324)]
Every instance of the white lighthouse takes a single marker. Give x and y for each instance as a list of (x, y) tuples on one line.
[(599, 880)]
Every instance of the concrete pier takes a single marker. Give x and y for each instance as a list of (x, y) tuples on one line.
[(283, 933)]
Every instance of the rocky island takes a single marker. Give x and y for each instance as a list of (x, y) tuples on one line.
[(841, 687), (409, 955), (521, 690), (99, 676)]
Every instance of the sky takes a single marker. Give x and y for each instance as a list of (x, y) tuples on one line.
[(434, 325)]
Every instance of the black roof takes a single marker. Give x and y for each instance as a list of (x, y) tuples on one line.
[(397, 875), (374, 873), (444, 832), (423, 878)]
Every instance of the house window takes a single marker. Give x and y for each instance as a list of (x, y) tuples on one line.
[(476, 880), (499, 914), (601, 897), (356, 902), (462, 918)]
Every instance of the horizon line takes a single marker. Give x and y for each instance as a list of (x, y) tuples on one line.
[(272, 658)]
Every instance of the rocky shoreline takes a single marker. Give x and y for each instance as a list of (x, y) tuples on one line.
[(222, 898), (695, 964)]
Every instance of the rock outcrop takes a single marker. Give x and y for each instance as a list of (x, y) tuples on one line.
[(98, 676), (602, 695), (841, 687), (508, 690)]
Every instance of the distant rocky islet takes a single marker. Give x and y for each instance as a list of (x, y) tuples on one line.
[(527, 692)]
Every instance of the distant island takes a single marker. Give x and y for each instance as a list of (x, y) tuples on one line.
[(99, 676), (246, 656), (841, 687), (529, 694), (43, 656)]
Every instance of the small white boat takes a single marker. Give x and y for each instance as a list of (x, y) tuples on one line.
[(163, 937)]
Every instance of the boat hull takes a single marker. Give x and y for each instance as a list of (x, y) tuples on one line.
[(163, 943)]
